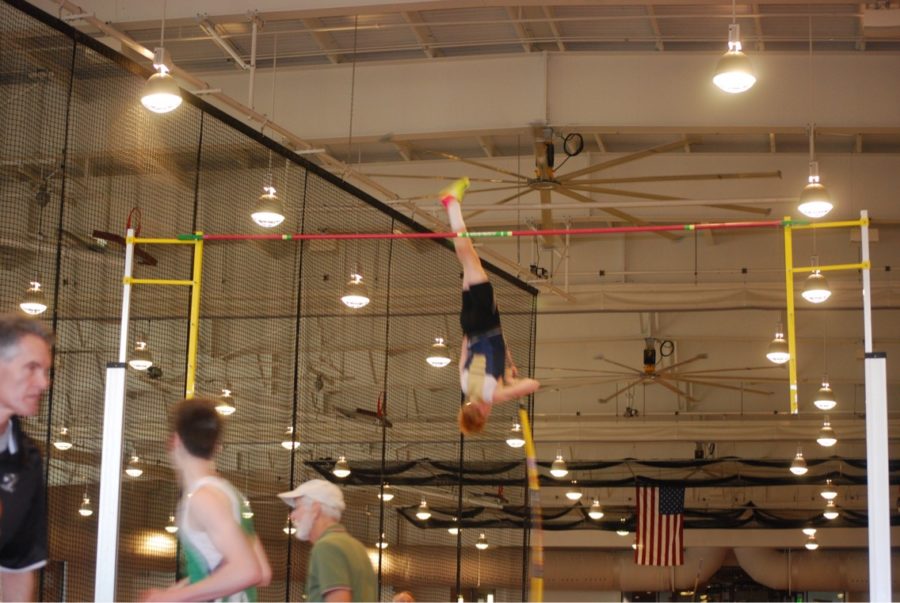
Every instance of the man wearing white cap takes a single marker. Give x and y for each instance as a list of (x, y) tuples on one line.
[(339, 567)]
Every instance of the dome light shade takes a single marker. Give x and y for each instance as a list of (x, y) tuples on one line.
[(246, 509), (778, 351), (558, 468), (423, 512), (269, 211), (574, 493), (289, 440), (811, 543), (225, 403), (34, 302), (387, 493), (355, 294), (734, 73), (86, 509), (825, 397), (815, 200), (515, 438), (341, 468), (623, 528), (171, 527), (831, 511), (816, 289), (141, 359), (382, 543), (161, 92), (63, 441), (133, 469), (482, 543), (289, 528), (827, 437), (595, 512), (454, 529), (809, 531), (828, 492), (798, 465), (438, 356)]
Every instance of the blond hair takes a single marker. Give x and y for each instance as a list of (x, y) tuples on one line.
[(470, 418)]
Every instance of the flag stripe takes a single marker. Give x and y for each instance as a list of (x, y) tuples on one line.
[(660, 530)]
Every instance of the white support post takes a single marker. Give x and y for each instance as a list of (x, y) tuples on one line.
[(878, 483), (111, 460)]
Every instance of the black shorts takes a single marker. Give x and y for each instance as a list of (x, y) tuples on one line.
[(479, 310)]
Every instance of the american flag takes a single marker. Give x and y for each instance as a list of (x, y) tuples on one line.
[(660, 526)]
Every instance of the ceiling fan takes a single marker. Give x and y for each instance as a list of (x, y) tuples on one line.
[(668, 377), (578, 184)]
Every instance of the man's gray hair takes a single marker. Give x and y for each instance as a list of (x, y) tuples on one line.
[(327, 509), (14, 327)]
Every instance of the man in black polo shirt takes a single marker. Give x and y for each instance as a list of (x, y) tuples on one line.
[(25, 357)]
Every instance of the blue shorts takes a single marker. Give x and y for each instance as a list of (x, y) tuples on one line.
[(485, 365)]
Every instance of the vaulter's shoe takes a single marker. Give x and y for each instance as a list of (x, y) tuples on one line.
[(455, 191)]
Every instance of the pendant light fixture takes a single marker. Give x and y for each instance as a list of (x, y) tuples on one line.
[(289, 440), (574, 492), (798, 465), (140, 359), (809, 531), (454, 529), (289, 528), (34, 302), (596, 511), (438, 356), (816, 289), (558, 467), (828, 492), (133, 468), (171, 526), (515, 438), (341, 468), (811, 543), (734, 73), (355, 294), (815, 201), (269, 211), (63, 441), (387, 493), (827, 437), (825, 397), (623, 528), (86, 509), (382, 542), (246, 509), (225, 403), (778, 351), (482, 543), (423, 512), (161, 93), (831, 512)]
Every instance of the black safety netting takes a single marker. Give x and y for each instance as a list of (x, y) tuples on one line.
[(311, 379)]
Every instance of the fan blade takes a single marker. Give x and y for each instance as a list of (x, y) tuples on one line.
[(683, 362), (670, 387), (448, 178), (722, 385), (663, 148), (764, 211), (624, 366), (621, 390), (681, 178), (500, 202), (564, 383), (435, 195), (614, 212), (741, 368), (477, 164)]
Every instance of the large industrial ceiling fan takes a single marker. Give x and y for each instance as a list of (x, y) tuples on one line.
[(577, 185)]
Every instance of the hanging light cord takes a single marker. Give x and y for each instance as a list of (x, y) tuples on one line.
[(162, 29), (352, 91)]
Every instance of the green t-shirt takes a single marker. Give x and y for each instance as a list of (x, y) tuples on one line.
[(340, 561)]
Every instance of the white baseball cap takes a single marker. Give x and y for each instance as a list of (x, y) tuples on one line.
[(319, 490)]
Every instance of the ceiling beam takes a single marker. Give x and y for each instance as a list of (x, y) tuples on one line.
[(654, 25), (524, 35), (554, 28), (422, 33), (757, 22), (487, 145), (324, 40)]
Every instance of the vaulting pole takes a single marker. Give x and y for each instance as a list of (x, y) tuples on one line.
[(536, 592)]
